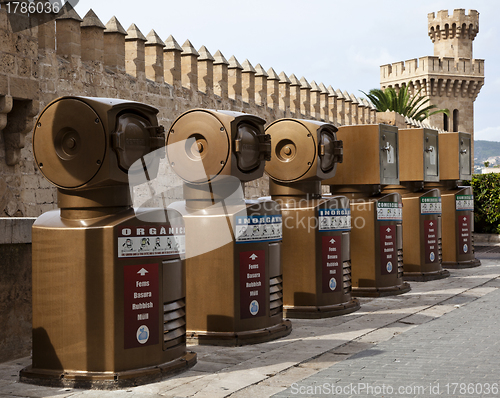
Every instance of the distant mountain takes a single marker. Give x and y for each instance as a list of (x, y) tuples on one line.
[(484, 150)]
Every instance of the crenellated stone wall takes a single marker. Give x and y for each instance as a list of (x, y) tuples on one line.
[(82, 56), (453, 35), (451, 78)]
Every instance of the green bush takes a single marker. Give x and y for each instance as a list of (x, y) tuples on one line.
[(486, 189)]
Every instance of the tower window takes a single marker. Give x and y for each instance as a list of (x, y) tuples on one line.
[(455, 120), (445, 122)]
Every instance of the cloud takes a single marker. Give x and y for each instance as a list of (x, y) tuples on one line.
[(488, 134)]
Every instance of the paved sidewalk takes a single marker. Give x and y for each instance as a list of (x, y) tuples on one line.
[(488, 252), (424, 329), (455, 355)]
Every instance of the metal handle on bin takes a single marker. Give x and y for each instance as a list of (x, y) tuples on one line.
[(387, 147)]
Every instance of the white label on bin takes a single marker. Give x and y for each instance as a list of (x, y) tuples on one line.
[(265, 228), (464, 202), (145, 241), (430, 205), (334, 219), (392, 211)]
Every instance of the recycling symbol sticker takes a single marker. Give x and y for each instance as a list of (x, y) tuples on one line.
[(142, 334), (254, 307)]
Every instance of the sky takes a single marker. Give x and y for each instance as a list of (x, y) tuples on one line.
[(338, 43)]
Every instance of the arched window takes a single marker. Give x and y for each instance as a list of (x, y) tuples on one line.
[(455, 120), (445, 122)]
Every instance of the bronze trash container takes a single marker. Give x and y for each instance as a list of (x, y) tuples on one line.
[(370, 163), (421, 206), (377, 246), (422, 237), (108, 290), (458, 237), (455, 165), (234, 287), (316, 230)]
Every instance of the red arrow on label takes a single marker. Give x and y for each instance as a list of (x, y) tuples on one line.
[(142, 272), (332, 241), (431, 223), (388, 229), (253, 256)]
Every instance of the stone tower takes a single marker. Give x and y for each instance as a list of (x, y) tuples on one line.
[(451, 78)]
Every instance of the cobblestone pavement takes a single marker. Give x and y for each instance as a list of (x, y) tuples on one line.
[(455, 355), (440, 332)]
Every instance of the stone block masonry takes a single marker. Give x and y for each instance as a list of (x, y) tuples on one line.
[(84, 57), (15, 287)]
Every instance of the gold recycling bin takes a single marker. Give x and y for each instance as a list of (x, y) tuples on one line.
[(371, 162), (458, 227), (108, 281), (422, 236), (455, 165), (377, 246), (316, 230), (421, 207), (234, 285), (317, 258)]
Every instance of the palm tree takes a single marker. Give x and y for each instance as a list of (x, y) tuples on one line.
[(415, 107)]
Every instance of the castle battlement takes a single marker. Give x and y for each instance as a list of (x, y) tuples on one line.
[(458, 25), (208, 78), (453, 35), (432, 65), (451, 78)]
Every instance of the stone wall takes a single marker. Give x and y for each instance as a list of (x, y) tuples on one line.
[(84, 57), (15, 287)]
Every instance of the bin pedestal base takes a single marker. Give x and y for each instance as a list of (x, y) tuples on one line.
[(462, 264), (319, 312), (233, 339), (380, 291), (426, 276), (107, 380)]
